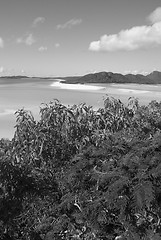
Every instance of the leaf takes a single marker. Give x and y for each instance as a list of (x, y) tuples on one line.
[(143, 195)]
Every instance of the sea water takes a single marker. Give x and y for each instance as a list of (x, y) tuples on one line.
[(30, 93)]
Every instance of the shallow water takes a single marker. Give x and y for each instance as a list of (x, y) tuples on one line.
[(30, 93)]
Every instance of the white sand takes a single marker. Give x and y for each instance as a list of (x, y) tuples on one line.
[(126, 90), (79, 87)]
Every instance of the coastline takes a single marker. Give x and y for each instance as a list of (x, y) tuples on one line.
[(78, 87), (32, 92)]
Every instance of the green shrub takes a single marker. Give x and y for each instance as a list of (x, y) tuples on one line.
[(80, 173)]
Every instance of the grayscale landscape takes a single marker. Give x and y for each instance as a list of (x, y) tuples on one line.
[(29, 93), (80, 120)]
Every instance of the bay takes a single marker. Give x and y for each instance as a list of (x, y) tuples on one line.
[(29, 93)]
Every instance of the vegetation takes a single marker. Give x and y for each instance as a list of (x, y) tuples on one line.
[(14, 77), (109, 77), (80, 173)]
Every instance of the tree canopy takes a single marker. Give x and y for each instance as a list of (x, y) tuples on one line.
[(80, 173)]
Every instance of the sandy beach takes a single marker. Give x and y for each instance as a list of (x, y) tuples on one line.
[(30, 93)]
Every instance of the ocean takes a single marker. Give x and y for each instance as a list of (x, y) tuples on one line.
[(29, 93)]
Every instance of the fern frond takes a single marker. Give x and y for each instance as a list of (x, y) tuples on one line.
[(143, 195), (151, 235), (156, 172), (149, 193), (66, 201), (116, 189), (132, 236)]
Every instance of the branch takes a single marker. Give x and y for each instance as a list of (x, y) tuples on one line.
[(76, 203)]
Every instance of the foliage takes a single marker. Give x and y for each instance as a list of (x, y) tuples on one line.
[(80, 173)]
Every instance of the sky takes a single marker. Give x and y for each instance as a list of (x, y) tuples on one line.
[(75, 37)]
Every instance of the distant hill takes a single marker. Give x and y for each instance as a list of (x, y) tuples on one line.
[(109, 77), (138, 78), (102, 77), (14, 77), (155, 76)]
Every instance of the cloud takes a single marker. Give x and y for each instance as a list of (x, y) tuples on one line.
[(28, 39), (131, 39), (57, 45), (1, 69), (69, 24), (42, 49), (22, 71), (155, 16), (37, 21), (1, 43), (135, 72), (11, 71)]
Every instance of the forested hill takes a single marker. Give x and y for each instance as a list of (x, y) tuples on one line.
[(103, 77), (109, 77), (14, 77)]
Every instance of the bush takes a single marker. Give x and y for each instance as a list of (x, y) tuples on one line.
[(80, 173)]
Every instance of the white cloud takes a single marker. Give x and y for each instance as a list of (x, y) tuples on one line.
[(57, 45), (155, 16), (37, 21), (135, 72), (69, 24), (42, 49), (1, 69), (11, 71), (28, 39), (1, 43), (131, 39), (22, 71)]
